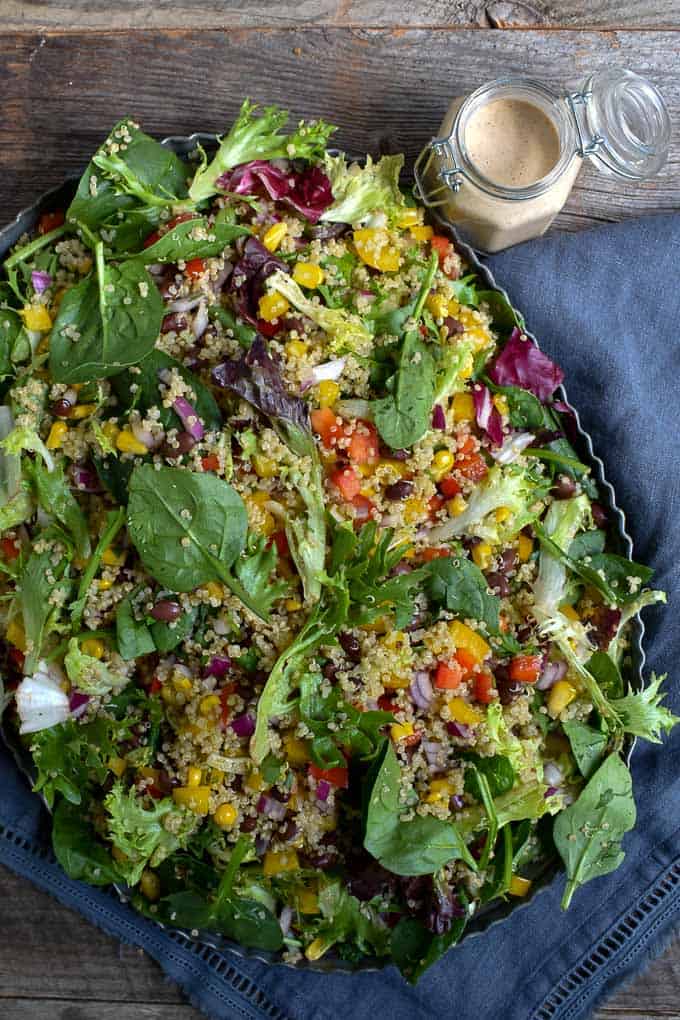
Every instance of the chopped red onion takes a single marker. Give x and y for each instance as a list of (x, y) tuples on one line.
[(261, 844), (286, 919), (243, 726), (217, 666), (486, 414), (551, 791), (222, 277), (330, 370), (421, 689), (189, 417), (200, 321), (552, 774), (85, 479), (144, 436), (457, 801), (185, 304), (457, 729), (271, 808), (323, 788), (40, 280), (512, 447), (438, 418), (435, 754), (551, 673), (77, 703)]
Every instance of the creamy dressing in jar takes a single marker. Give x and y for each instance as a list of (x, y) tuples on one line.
[(508, 154)]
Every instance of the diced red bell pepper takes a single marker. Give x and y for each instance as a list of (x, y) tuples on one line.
[(526, 668), (280, 540), (195, 268), (16, 658), (472, 466), (155, 686), (411, 739), (50, 221), (363, 444), (484, 688), (363, 508), (211, 462), (325, 424), (225, 708), (10, 548), (442, 246), (434, 554), (268, 329), (435, 503), (386, 703), (466, 660), (338, 776), (448, 676), (347, 481), (449, 487)]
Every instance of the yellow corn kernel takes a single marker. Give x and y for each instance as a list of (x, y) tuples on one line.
[(278, 861), (182, 683), (464, 637), (561, 695), (254, 782), (438, 305), (500, 402), (93, 647), (463, 407), (150, 885), (16, 634), (296, 348), (258, 498), (467, 367), (214, 590), (225, 816), (105, 584), (316, 949), (195, 798), (267, 526), (274, 236), (293, 605), (296, 750), (456, 505), (525, 547), (422, 233), (111, 431), (265, 467), (414, 509), (409, 218), (308, 274), (442, 462), (399, 731), (569, 612), (502, 514), (36, 317), (461, 712), (82, 410), (396, 681), (126, 442), (272, 306), (167, 694), (519, 886), (481, 554), (57, 435), (329, 392), (117, 765), (210, 705), (308, 901), (440, 792), (194, 775), (112, 558), (374, 248)]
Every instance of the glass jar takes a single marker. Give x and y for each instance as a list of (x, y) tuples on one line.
[(509, 153)]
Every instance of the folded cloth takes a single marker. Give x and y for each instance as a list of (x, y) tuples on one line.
[(604, 304)]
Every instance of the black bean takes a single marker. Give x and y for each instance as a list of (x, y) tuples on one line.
[(599, 515), (508, 561), (289, 831), (166, 611), (399, 490), (184, 443), (174, 323), (387, 452), (507, 689), (329, 670), (350, 646), (453, 325), (248, 824), (564, 487), (61, 408), (498, 583)]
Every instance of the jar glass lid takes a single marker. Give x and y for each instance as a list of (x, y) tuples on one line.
[(629, 117)]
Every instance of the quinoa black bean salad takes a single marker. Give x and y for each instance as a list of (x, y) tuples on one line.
[(311, 623)]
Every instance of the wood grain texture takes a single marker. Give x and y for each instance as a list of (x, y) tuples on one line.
[(59, 967), (386, 90), (84, 15)]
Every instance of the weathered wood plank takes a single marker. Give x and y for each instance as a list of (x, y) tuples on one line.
[(83, 15), (386, 89), (91, 977)]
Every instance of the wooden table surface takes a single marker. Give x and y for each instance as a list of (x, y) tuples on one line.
[(384, 71)]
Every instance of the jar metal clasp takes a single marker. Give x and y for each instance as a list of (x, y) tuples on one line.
[(450, 174), (588, 145)]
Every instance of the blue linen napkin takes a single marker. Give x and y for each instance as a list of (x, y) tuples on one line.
[(605, 304)]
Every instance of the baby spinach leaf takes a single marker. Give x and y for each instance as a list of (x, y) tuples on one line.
[(167, 637), (78, 851), (244, 334), (588, 833), (457, 584), (11, 329), (141, 388), (133, 637), (503, 316), (419, 846), (587, 745), (497, 770), (114, 474), (109, 320), (180, 242), (403, 417), (42, 589), (56, 498), (465, 291), (587, 544), (409, 943), (336, 724)]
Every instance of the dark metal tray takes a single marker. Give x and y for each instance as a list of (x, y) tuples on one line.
[(61, 196)]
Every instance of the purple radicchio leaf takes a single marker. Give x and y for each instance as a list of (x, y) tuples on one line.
[(522, 364), (256, 377), (604, 624), (307, 191), (488, 417), (249, 274)]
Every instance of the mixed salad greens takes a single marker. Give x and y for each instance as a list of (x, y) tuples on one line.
[(312, 620)]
